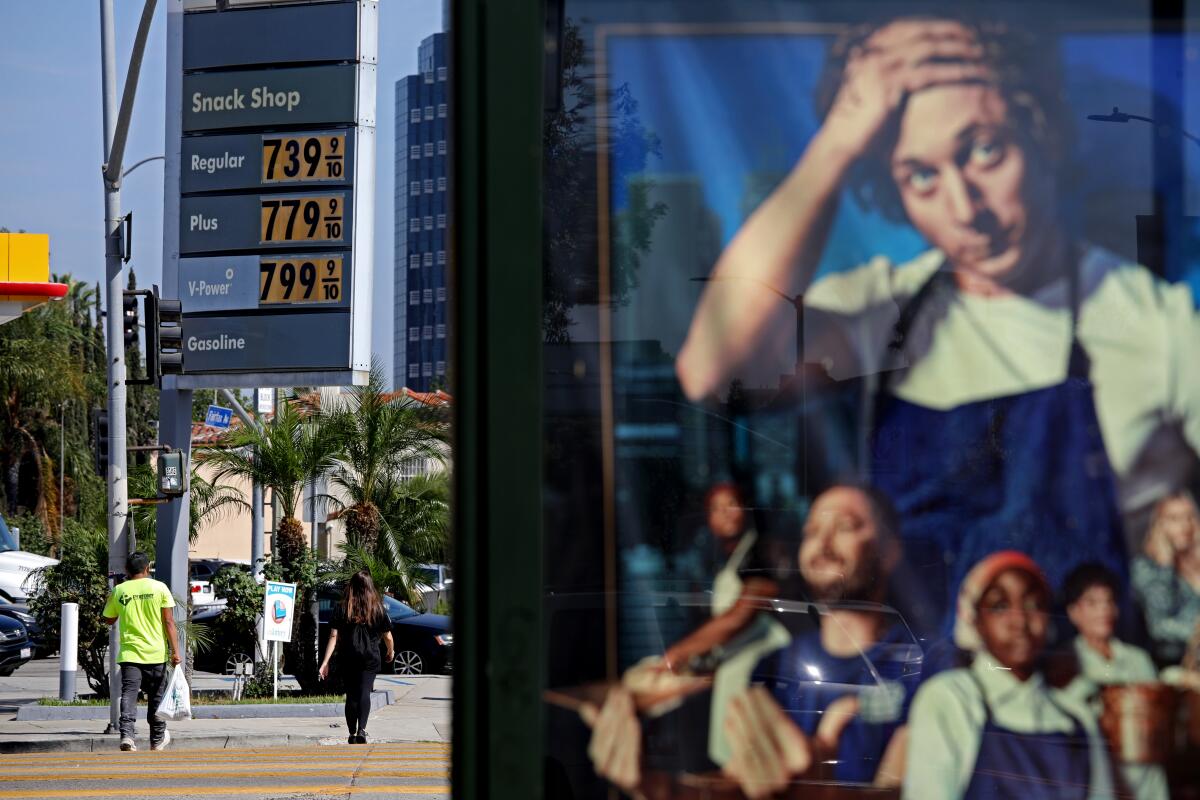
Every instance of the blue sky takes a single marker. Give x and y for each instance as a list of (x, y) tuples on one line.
[(50, 139)]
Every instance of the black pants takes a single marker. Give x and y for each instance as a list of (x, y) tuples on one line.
[(150, 678), (359, 682)]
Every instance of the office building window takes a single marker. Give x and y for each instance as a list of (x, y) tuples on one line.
[(429, 223), (441, 109), (429, 148), (414, 115), (441, 147), (427, 370), (414, 151), (441, 331), (441, 294), (428, 295), (429, 77), (441, 220), (441, 73), (414, 334), (441, 184), (441, 257), (429, 186), (414, 297), (414, 225), (428, 112), (427, 332), (414, 261), (414, 188), (414, 370), (427, 259), (441, 368)]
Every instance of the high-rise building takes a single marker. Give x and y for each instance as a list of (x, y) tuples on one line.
[(421, 224)]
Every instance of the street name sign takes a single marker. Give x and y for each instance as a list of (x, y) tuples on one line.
[(218, 417)]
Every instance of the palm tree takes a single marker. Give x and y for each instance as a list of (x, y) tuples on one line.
[(283, 455), (377, 434)]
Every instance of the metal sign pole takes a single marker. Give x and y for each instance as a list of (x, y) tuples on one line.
[(275, 669)]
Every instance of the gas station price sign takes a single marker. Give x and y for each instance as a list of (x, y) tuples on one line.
[(295, 159), (300, 280), (302, 219)]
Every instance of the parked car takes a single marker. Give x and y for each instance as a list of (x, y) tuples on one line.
[(436, 585), (424, 642), (223, 656), (20, 612), (15, 647), (16, 566), (201, 572)]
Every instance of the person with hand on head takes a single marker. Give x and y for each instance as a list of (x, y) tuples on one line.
[(1003, 408), (1166, 577), (1091, 598), (142, 608), (996, 728), (360, 627)]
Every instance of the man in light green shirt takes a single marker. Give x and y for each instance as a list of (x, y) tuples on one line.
[(143, 606)]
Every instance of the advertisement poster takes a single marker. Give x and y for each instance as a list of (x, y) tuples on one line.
[(878, 371), (279, 605)]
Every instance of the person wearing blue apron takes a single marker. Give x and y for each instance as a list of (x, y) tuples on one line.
[(1033, 392), (995, 730), (1027, 471)]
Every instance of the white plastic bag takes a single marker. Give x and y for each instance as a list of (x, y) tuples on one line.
[(177, 698)]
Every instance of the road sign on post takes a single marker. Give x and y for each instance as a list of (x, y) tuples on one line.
[(218, 417), (276, 189)]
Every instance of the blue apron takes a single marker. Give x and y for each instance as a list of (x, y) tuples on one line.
[(1025, 472), (1029, 766)]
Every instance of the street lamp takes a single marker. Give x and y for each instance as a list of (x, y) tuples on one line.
[(797, 304), (1120, 116)]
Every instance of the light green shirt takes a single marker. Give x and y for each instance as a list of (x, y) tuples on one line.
[(1129, 664), (138, 606), (945, 727)]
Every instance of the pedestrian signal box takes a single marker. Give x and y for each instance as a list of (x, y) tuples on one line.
[(171, 470)]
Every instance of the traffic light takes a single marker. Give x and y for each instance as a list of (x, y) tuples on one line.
[(164, 336), (100, 440), (129, 318)]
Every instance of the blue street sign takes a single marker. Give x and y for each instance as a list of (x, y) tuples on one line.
[(218, 417)]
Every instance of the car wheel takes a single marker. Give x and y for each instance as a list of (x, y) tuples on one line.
[(236, 659), (408, 662)]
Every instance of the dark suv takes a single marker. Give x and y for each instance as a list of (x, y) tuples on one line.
[(15, 647)]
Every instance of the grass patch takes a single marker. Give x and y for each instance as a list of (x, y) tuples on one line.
[(200, 700)]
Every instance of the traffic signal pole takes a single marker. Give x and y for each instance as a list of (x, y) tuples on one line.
[(116, 128)]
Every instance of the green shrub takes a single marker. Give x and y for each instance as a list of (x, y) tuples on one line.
[(79, 577)]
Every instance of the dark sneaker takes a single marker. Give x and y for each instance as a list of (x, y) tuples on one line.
[(361, 738), (127, 745)]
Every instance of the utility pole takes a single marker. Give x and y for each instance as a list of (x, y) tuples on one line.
[(116, 131)]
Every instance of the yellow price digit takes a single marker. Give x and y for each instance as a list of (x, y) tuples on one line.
[(315, 279), (302, 219), (303, 158)]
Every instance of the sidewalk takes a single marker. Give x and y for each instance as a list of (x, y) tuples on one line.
[(420, 713)]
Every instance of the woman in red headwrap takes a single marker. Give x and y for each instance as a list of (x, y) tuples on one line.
[(995, 728)]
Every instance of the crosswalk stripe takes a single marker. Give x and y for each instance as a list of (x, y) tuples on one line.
[(231, 790), (125, 765), (298, 750), (218, 772), (325, 753)]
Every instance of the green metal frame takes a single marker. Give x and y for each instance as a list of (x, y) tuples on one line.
[(496, 52)]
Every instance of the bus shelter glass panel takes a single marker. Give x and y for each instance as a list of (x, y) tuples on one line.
[(872, 407)]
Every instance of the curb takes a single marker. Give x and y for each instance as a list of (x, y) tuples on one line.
[(36, 713)]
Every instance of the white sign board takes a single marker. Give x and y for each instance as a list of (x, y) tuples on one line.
[(279, 608), (265, 401)]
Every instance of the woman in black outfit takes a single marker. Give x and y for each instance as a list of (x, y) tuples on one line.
[(359, 625)]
